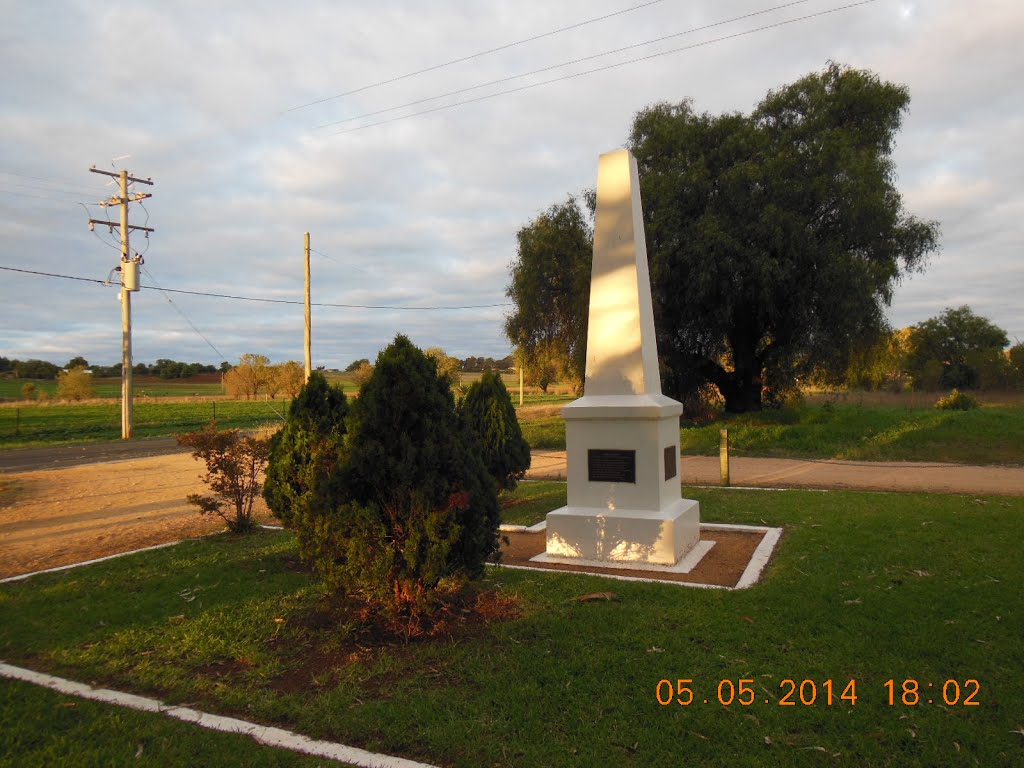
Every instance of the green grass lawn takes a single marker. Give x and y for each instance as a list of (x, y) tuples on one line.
[(43, 729), (56, 424), (531, 501), (993, 434), (864, 587)]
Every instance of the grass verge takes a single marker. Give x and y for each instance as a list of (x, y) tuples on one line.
[(42, 729), (864, 587), (988, 435), (993, 434)]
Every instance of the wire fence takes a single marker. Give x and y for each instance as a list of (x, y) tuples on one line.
[(53, 424)]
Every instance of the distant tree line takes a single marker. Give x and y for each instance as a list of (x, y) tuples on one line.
[(956, 349), (164, 368), (477, 364), (447, 364), (172, 369)]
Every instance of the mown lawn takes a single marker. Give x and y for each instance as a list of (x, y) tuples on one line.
[(44, 729), (864, 587)]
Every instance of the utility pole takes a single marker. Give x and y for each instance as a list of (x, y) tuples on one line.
[(309, 328), (129, 283)]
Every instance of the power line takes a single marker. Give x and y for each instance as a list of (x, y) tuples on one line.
[(54, 182), (52, 274), (604, 68), (499, 81), (268, 300), (40, 197), (345, 266), (473, 56), (183, 315)]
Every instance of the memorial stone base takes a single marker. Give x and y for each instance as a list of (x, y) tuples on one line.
[(624, 504)]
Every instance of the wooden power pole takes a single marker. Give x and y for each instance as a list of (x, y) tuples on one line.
[(129, 283), (309, 327)]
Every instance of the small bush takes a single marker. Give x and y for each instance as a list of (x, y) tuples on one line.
[(956, 401), (487, 412), (28, 391), (234, 463), (75, 384)]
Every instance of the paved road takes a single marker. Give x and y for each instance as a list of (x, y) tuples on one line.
[(63, 456), (808, 473), (696, 470)]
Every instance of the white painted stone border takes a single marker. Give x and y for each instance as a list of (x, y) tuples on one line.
[(750, 576), (262, 734), (22, 576), (535, 528)]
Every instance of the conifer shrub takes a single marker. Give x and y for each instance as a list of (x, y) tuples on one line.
[(305, 456), (411, 510), (487, 413)]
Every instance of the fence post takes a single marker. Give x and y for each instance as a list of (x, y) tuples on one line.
[(723, 453), (214, 411), (17, 422)]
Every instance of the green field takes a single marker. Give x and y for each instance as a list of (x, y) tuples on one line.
[(47, 424), (145, 386), (864, 587), (55, 423)]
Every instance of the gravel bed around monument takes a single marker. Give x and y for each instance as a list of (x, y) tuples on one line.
[(722, 566)]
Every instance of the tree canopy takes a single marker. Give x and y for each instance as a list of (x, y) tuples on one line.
[(963, 349), (774, 239), (551, 290), (305, 456), (487, 412)]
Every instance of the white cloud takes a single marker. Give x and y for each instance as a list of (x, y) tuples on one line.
[(424, 211)]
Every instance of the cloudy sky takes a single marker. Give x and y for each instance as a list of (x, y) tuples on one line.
[(234, 109)]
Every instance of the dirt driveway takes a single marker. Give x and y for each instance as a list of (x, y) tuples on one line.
[(59, 516)]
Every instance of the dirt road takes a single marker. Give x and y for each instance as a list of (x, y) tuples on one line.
[(60, 516), (51, 517)]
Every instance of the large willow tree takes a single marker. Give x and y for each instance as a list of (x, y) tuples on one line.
[(775, 239)]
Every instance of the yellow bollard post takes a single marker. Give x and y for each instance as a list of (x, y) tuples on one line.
[(723, 452)]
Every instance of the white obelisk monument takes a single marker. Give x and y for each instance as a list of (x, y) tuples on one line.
[(622, 436)]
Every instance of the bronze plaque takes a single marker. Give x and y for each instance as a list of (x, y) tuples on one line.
[(611, 466), (670, 462)]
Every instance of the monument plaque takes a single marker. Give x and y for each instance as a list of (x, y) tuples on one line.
[(670, 462), (611, 466)]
